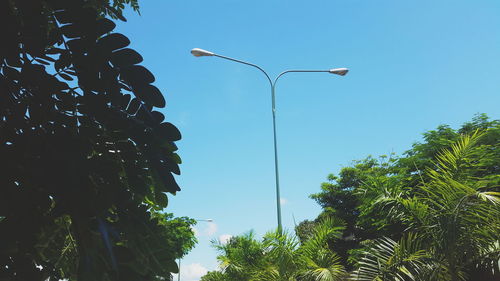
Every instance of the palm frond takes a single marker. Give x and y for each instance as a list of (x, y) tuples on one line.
[(389, 260)]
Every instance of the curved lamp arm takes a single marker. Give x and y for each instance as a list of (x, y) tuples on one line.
[(295, 70), (197, 52), (247, 63)]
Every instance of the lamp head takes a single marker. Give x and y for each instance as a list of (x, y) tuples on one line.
[(197, 52), (339, 71)]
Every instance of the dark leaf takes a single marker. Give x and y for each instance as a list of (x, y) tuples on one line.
[(54, 50), (177, 158), (125, 57), (133, 106), (137, 76), (47, 58), (169, 182), (162, 199), (123, 86), (79, 45), (116, 13), (42, 61), (70, 72), (66, 77), (125, 100), (63, 17), (158, 116), (71, 30), (150, 95), (104, 26), (63, 61), (113, 42), (11, 73), (172, 166), (169, 132), (14, 61)]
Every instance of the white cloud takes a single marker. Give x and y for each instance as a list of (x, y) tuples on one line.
[(283, 201), (191, 272), (211, 229), (224, 238)]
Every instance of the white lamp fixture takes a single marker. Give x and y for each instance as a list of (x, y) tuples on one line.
[(339, 71), (197, 52)]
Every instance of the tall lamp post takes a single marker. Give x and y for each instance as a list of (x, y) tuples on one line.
[(179, 274), (338, 71)]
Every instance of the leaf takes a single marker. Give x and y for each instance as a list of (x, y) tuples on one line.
[(11, 73), (133, 106), (125, 57), (158, 116), (71, 30), (47, 58), (54, 50), (137, 76), (42, 61), (116, 13), (104, 26), (112, 42), (70, 72), (151, 95), (66, 77), (125, 100), (168, 181), (63, 61), (168, 131), (177, 158), (161, 199), (79, 45), (171, 266), (63, 17)]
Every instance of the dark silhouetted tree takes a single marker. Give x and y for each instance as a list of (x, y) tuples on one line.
[(85, 160)]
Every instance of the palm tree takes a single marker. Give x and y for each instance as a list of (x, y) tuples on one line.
[(388, 260), (241, 256), (319, 262), (281, 256)]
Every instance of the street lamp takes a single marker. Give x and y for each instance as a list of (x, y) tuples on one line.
[(179, 274), (197, 52)]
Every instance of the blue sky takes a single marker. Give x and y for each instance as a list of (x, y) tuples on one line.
[(414, 65)]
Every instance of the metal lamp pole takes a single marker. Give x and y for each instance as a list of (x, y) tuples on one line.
[(338, 71)]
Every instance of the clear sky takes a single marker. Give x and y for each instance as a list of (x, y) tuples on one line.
[(414, 65)]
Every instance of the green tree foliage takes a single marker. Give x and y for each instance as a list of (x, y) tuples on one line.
[(455, 213), (386, 259), (443, 193), (432, 214), (86, 160), (281, 257)]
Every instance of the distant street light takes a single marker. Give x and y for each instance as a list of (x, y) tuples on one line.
[(337, 71), (207, 220)]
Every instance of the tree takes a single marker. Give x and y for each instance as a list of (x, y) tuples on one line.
[(340, 198), (240, 256), (455, 218), (368, 196), (281, 257), (86, 160), (388, 260)]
